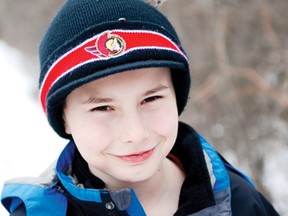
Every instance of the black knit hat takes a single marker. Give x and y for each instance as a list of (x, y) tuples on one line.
[(90, 39)]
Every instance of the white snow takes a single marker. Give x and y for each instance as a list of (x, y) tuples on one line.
[(28, 144)]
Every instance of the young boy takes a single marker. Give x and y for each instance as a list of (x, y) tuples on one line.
[(114, 80)]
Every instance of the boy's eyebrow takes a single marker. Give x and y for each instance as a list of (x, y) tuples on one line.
[(154, 90), (96, 100)]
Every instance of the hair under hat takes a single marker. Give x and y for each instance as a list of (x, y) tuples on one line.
[(90, 39)]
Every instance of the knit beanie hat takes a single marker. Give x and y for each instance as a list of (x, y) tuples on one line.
[(90, 39)]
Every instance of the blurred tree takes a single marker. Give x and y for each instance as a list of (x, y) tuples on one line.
[(239, 60), (23, 22)]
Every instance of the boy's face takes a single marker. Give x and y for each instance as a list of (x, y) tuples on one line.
[(124, 125)]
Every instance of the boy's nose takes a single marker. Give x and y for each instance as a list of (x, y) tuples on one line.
[(133, 129)]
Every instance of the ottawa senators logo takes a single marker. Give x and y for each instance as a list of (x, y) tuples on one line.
[(107, 45)]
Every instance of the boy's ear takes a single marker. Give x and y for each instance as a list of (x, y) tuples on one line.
[(65, 124)]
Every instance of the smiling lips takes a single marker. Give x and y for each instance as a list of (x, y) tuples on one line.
[(137, 158)]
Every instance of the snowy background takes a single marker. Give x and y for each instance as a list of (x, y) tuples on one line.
[(29, 144)]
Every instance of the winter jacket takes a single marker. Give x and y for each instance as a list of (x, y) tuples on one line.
[(211, 187)]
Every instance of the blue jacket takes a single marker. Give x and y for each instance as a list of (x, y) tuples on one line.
[(212, 187)]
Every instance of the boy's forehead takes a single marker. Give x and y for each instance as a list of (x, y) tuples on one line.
[(146, 79), (137, 75)]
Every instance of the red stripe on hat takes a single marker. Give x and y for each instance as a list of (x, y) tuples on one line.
[(109, 44)]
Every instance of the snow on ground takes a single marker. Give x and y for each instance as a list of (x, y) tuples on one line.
[(276, 169), (28, 144)]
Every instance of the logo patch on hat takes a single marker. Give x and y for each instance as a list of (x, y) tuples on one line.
[(107, 45)]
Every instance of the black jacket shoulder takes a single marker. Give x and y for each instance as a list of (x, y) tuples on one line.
[(247, 200)]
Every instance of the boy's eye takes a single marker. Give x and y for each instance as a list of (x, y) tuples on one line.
[(151, 99), (102, 108)]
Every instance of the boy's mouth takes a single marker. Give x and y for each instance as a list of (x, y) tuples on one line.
[(138, 157)]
